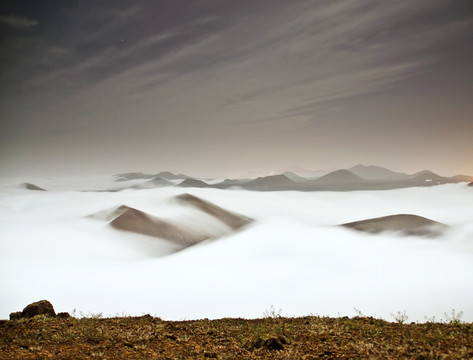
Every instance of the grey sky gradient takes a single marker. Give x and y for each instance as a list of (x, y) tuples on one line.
[(221, 88)]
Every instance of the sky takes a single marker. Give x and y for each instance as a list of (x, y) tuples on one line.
[(222, 88)]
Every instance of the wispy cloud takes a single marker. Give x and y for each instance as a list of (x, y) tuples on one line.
[(237, 67), (19, 22)]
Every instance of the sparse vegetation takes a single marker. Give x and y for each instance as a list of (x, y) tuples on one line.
[(400, 317), (272, 337), (272, 312), (454, 317)]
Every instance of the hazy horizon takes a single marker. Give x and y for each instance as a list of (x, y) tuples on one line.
[(223, 88)]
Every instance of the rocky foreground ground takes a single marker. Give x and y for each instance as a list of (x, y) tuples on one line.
[(146, 337)]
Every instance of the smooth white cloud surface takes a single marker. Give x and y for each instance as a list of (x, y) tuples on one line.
[(293, 257)]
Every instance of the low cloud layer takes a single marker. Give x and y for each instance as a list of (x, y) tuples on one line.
[(294, 256)]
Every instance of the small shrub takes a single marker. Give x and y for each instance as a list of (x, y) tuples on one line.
[(400, 317), (272, 313), (359, 313), (454, 317)]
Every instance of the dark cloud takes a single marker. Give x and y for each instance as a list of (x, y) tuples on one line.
[(109, 70), (18, 22)]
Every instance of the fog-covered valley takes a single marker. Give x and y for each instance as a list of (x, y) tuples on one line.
[(292, 255)]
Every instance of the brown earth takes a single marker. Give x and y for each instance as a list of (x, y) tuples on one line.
[(137, 221), (307, 338), (133, 220)]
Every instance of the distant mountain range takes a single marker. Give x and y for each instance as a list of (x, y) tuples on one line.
[(376, 173), (166, 175), (359, 177)]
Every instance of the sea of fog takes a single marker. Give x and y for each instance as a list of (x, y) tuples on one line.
[(293, 257)]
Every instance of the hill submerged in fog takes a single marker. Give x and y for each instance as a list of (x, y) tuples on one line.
[(339, 177), (30, 186), (207, 221), (406, 224), (272, 182), (359, 177), (376, 173)]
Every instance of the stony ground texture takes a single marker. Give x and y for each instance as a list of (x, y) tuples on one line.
[(307, 338)]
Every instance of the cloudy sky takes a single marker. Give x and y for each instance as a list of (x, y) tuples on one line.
[(226, 88)]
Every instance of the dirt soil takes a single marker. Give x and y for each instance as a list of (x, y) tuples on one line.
[(307, 338)]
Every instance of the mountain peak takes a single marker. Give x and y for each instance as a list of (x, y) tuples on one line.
[(339, 176), (193, 183), (373, 172)]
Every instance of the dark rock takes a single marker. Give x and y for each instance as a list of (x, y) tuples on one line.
[(273, 344), (16, 315), (63, 315), (470, 184), (42, 307), (210, 355)]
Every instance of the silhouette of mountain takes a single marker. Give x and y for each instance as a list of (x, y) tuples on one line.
[(158, 182), (359, 177), (233, 182), (181, 231), (428, 176), (133, 176), (376, 173), (305, 173), (170, 176), (193, 183), (293, 176), (109, 214), (273, 182), (404, 223), (339, 177), (139, 222), (30, 186), (233, 220), (461, 178)]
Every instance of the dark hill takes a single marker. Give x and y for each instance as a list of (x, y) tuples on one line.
[(133, 176), (376, 173), (30, 186), (405, 223), (339, 177), (170, 176), (294, 176), (110, 214), (233, 220), (273, 182), (428, 176), (158, 182), (460, 178), (193, 183), (139, 222), (229, 183)]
